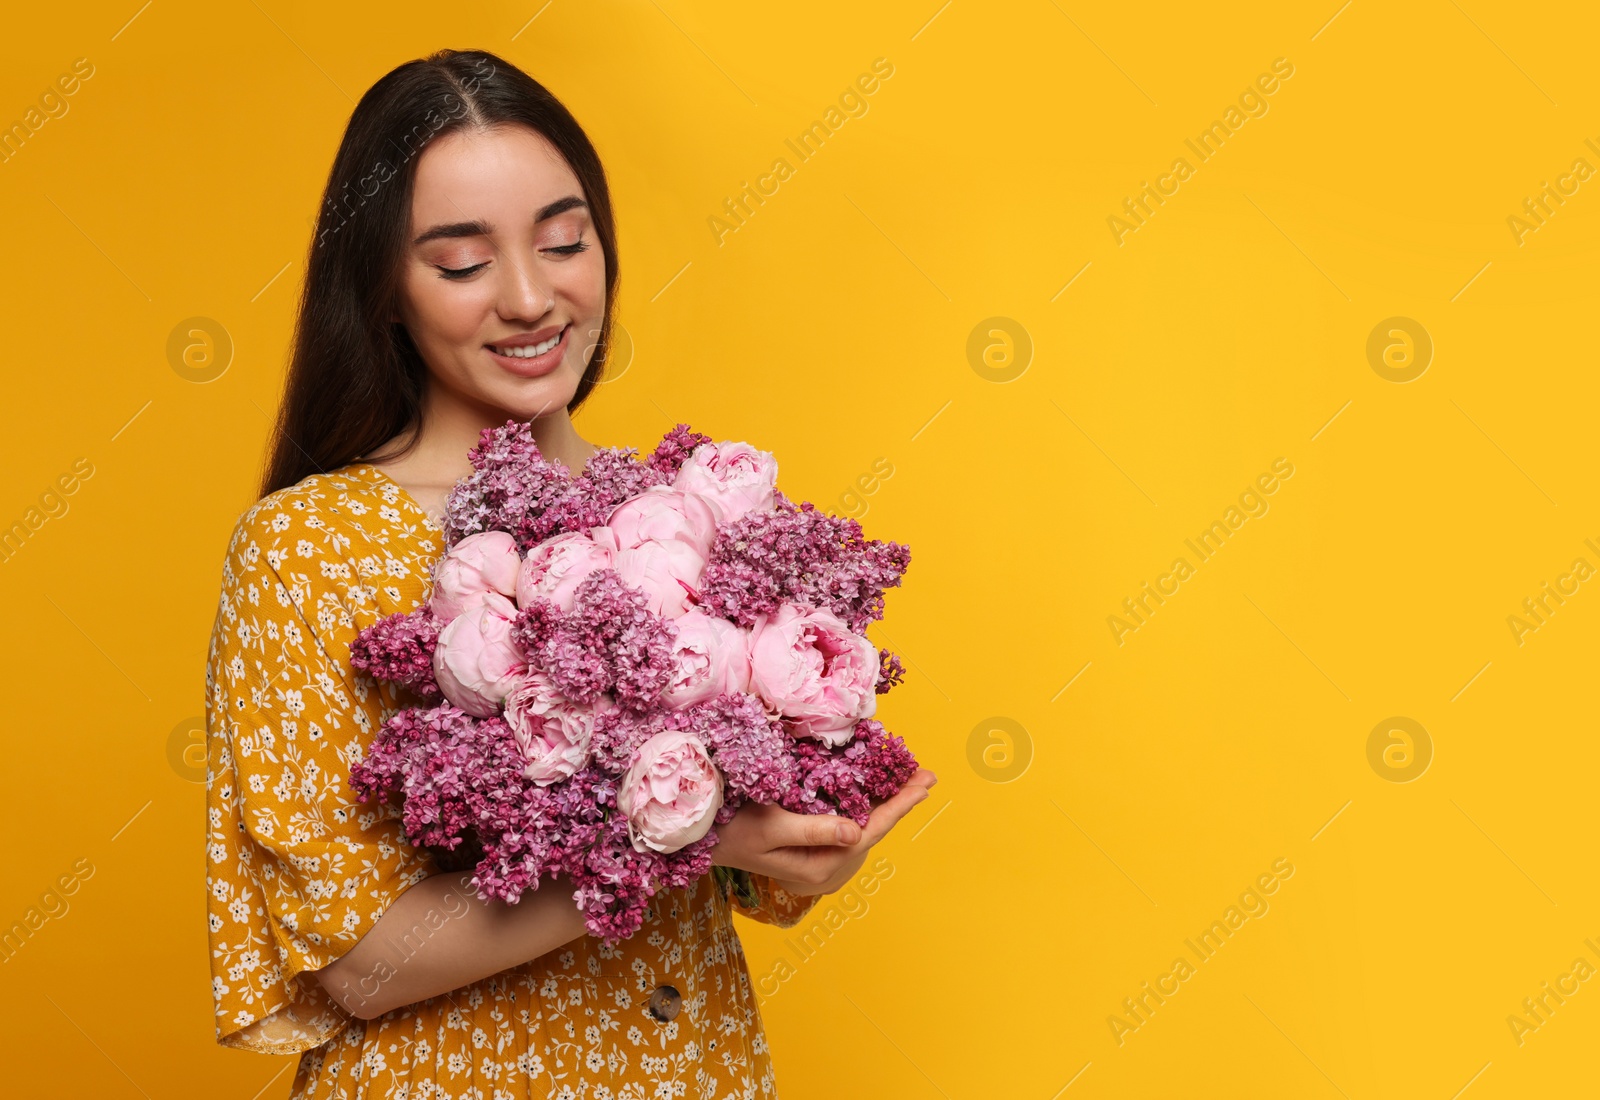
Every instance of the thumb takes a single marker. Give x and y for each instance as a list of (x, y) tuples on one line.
[(822, 830)]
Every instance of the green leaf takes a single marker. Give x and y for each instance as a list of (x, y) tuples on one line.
[(738, 884)]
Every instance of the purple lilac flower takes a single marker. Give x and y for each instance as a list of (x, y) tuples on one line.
[(674, 449), (799, 554), (890, 671), (511, 488), (514, 488), (611, 476), (609, 641), (874, 764), (399, 649), (619, 733), (448, 766), (574, 829), (748, 745)]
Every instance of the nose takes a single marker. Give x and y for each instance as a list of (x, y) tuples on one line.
[(523, 296)]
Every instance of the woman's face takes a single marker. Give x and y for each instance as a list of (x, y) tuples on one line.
[(504, 287)]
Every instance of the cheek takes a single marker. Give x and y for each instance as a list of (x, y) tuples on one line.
[(583, 281), (444, 314)]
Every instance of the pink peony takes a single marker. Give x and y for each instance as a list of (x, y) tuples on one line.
[(711, 656), (553, 733), (814, 672), (670, 792), (668, 572), (664, 514), (478, 564), (556, 567), (734, 478), (475, 661)]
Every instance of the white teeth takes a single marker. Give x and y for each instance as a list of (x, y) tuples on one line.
[(528, 351)]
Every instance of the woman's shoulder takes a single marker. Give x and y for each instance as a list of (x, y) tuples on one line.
[(345, 536), (353, 505)]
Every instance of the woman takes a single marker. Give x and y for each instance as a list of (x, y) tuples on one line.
[(464, 273)]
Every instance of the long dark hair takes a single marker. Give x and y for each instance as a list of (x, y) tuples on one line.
[(356, 380)]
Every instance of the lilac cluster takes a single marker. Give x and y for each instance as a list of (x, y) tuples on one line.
[(472, 782), (457, 773), (514, 488), (399, 649), (798, 554), (609, 642), (574, 830), (674, 449), (462, 777), (872, 765), (611, 476), (590, 847), (890, 671)]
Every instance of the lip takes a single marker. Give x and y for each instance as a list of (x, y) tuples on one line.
[(539, 365), (526, 338)]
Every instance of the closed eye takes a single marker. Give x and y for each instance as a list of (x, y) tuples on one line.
[(464, 272)]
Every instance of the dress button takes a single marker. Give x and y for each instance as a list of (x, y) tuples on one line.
[(665, 1002)]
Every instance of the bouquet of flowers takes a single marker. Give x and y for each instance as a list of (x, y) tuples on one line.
[(610, 664)]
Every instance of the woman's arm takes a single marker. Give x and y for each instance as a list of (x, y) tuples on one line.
[(439, 936)]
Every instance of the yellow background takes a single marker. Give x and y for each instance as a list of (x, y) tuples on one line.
[(1229, 731)]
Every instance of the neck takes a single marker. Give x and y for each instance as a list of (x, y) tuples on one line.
[(451, 427)]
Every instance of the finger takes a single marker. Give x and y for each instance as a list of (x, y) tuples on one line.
[(807, 865), (888, 813), (829, 830), (815, 830)]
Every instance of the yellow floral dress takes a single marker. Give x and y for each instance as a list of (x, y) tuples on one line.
[(298, 870)]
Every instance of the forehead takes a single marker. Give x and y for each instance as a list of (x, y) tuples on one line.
[(497, 174)]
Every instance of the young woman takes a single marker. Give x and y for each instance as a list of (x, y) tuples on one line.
[(463, 273)]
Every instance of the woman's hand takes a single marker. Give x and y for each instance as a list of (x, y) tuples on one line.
[(811, 854)]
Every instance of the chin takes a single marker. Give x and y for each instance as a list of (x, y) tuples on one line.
[(538, 396)]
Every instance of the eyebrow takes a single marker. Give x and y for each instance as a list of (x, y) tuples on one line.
[(484, 229)]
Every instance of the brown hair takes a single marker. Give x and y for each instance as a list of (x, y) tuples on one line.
[(356, 380)]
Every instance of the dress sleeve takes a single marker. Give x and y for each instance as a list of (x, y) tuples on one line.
[(297, 869), (760, 899)]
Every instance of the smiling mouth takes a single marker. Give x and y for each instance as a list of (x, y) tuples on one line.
[(528, 351)]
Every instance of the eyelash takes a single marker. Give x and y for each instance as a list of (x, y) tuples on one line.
[(463, 272)]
